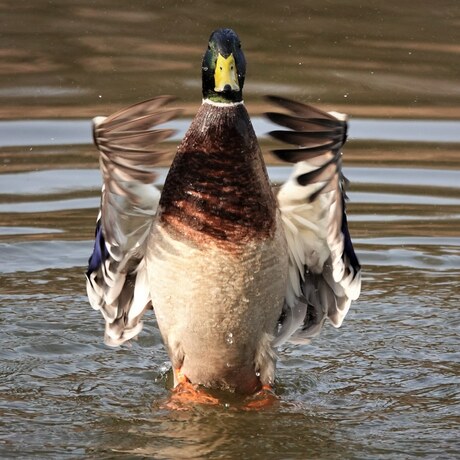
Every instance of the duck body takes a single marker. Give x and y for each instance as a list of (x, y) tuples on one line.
[(231, 269), (218, 252)]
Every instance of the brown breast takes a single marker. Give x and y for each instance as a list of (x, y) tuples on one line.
[(217, 188)]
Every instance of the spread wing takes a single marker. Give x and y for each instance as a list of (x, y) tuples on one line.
[(117, 282), (324, 272)]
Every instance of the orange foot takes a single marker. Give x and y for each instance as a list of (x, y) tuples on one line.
[(185, 393), (263, 399)]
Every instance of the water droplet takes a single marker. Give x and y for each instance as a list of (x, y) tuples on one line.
[(164, 367), (257, 374), (229, 338)]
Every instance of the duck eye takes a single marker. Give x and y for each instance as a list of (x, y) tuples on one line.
[(221, 68)]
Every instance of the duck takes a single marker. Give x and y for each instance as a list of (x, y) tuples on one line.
[(232, 265)]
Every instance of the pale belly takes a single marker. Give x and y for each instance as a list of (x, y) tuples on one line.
[(216, 309)]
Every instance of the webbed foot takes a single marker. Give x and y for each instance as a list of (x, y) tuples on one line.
[(263, 399), (186, 394)]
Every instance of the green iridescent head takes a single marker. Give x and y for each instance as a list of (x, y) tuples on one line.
[(224, 67)]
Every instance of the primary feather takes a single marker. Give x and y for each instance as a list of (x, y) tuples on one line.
[(116, 278), (324, 272)]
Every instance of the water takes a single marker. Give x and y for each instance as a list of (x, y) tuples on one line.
[(32, 133), (386, 384)]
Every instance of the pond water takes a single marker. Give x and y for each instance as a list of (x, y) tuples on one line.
[(386, 385)]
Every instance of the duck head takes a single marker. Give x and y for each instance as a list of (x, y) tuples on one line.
[(224, 67)]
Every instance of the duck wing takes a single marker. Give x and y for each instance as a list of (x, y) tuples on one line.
[(324, 271), (117, 283)]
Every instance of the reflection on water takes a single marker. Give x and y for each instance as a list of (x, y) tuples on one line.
[(58, 132), (386, 384)]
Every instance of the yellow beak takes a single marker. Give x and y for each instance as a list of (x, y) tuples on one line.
[(225, 74)]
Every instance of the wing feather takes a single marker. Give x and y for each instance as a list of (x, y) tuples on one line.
[(117, 282), (324, 272)]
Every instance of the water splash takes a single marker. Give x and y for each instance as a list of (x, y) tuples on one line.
[(229, 338)]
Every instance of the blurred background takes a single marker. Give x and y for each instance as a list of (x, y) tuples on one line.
[(77, 58)]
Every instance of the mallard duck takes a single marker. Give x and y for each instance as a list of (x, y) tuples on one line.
[(231, 266)]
